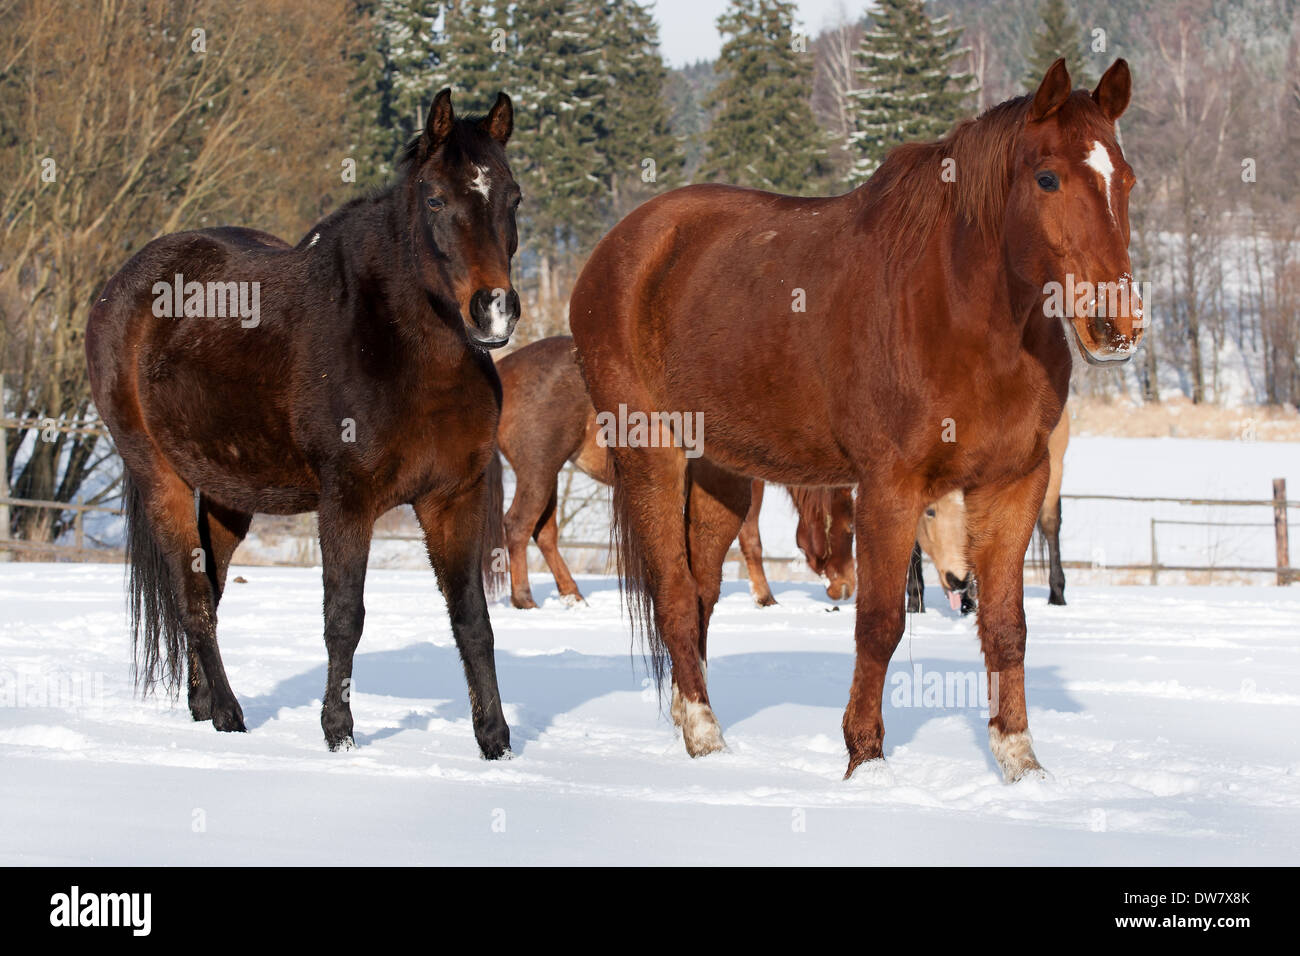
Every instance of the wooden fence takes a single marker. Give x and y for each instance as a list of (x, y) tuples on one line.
[(77, 550)]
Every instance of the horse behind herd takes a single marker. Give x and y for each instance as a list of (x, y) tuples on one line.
[(363, 381)]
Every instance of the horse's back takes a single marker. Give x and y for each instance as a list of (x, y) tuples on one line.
[(722, 300), (544, 402)]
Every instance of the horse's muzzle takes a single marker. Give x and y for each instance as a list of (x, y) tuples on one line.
[(493, 314)]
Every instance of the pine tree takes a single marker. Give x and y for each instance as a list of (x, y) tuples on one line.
[(412, 38), (372, 133), (763, 133), (552, 74), (633, 121), (1061, 36), (471, 50), (907, 87)]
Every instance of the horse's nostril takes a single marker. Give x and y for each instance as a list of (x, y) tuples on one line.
[(955, 583)]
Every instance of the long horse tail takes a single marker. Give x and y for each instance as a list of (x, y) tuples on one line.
[(635, 585), (494, 559), (157, 626)]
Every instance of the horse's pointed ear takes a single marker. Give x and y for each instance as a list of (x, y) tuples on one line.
[(1113, 90), (500, 121), (439, 124), (1052, 92)]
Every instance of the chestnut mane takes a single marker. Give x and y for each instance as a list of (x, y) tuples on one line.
[(909, 198)]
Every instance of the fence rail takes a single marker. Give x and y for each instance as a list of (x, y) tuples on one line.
[(1282, 569)]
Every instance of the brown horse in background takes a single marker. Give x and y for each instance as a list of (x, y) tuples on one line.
[(358, 380), (548, 420), (942, 533), (686, 308)]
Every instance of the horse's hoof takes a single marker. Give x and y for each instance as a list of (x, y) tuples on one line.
[(700, 729), (496, 749), (228, 718), (1015, 755), (524, 603), (342, 744), (872, 772), (571, 600), (765, 600)]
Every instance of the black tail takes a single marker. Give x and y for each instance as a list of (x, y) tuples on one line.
[(1038, 552), (494, 559), (157, 630), (635, 584)]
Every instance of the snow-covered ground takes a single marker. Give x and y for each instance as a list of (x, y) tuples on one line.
[(1168, 717)]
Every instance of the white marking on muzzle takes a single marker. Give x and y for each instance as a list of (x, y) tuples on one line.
[(498, 318)]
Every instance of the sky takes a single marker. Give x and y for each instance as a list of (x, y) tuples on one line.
[(688, 29)]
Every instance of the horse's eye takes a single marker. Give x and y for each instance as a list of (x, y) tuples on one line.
[(434, 203), (929, 512), (514, 203), (1048, 182)]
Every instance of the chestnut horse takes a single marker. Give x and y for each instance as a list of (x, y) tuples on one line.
[(686, 308), (547, 420), (942, 533), (357, 381)]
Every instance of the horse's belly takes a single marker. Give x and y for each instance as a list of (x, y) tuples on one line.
[(230, 437)]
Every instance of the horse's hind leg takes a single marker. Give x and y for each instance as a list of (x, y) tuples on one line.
[(751, 548), (547, 537), (168, 503), (220, 532), (453, 535), (522, 520), (649, 503), (716, 504)]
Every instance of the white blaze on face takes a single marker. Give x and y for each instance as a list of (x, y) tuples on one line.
[(1099, 159), (480, 183)]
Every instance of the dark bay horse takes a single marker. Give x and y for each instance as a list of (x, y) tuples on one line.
[(688, 307), (547, 420), (942, 533), (346, 375)]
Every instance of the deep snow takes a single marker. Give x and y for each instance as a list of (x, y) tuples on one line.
[(1167, 716)]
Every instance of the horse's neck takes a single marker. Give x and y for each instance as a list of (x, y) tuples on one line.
[(998, 315), (385, 261)]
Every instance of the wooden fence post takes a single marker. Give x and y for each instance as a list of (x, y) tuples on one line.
[(1280, 530), (1155, 558), (4, 476)]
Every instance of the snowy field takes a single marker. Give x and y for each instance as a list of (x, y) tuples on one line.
[(1167, 716)]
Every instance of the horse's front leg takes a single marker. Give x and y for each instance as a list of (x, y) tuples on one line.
[(885, 526), (1001, 521), (453, 535), (345, 531)]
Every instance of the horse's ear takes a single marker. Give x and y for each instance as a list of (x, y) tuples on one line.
[(500, 121), (1113, 90), (439, 124), (1052, 92)]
